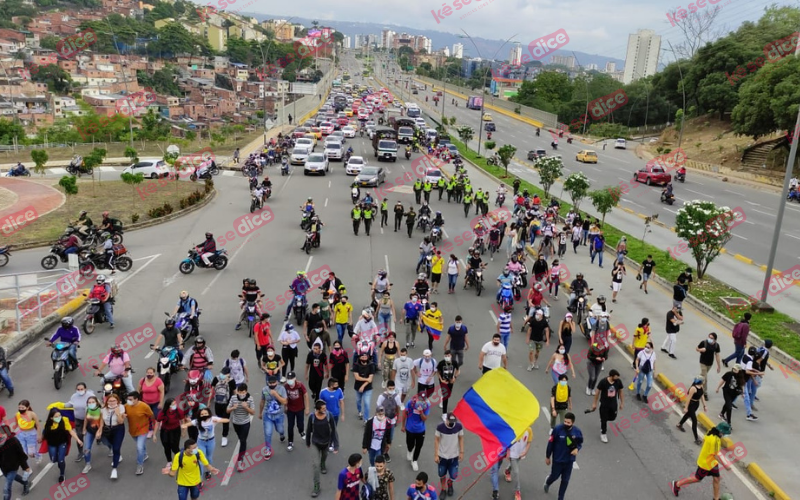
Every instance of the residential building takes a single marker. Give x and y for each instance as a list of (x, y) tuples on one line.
[(515, 55), (458, 50), (641, 59), (568, 61)]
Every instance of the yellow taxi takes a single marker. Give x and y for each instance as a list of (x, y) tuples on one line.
[(317, 132), (487, 117), (586, 156), (348, 112), (354, 124)]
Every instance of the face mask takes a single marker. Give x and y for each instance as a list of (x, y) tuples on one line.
[(270, 353), (81, 393), (272, 388), (562, 351), (317, 330), (448, 358), (130, 402), (92, 406), (241, 397), (337, 350), (562, 382), (458, 325), (391, 391), (56, 419), (567, 427), (191, 452), (711, 341), (151, 375), (496, 342), (173, 407), (291, 383), (344, 301), (403, 358), (414, 300), (205, 417), (648, 350), (364, 361)]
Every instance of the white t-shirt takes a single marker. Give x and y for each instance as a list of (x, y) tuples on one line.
[(493, 355), (403, 369), (237, 369), (519, 445), (452, 267), (292, 337), (206, 429), (425, 370)]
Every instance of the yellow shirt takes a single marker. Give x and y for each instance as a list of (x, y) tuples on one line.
[(25, 424), (708, 454), (433, 319), (640, 338), (189, 474), (437, 263), (342, 312)]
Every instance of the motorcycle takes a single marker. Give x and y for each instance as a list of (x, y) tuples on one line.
[(206, 170), (569, 140), (76, 167), (92, 261), (680, 175), (255, 202), (428, 265), (50, 261), (506, 296), (579, 309), (436, 234), (19, 173), (305, 221), (284, 167), (114, 386), (167, 364), (5, 253), (494, 246), (299, 307), (62, 364), (218, 261), (184, 324), (554, 145), (516, 286), (501, 198), (408, 154), (355, 194), (545, 311), (668, 199), (251, 315), (95, 315), (424, 222), (494, 160), (311, 241), (377, 296), (793, 195), (523, 276)]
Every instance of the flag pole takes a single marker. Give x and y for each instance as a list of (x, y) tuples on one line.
[(476, 482)]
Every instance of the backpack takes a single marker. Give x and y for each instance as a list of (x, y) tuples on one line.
[(180, 460), (228, 364), (562, 394), (598, 244), (390, 405), (645, 367), (367, 492), (222, 393)]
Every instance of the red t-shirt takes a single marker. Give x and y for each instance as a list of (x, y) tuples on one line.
[(296, 397)]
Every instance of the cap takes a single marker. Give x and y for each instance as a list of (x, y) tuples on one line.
[(226, 371), (569, 315), (291, 375), (427, 352), (724, 428), (271, 379), (451, 418)]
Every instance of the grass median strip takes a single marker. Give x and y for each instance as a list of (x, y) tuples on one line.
[(782, 329)]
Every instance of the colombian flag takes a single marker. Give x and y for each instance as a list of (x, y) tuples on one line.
[(499, 409), (66, 412), (433, 322)]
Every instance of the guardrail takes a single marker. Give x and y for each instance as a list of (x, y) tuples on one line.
[(26, 301)]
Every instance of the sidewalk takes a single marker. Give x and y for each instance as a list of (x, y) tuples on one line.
[(44, 199)]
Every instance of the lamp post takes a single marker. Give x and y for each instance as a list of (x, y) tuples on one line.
[(125, 81), (483, 87)]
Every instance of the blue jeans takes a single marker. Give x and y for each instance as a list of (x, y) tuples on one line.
[(29, 442), (88, 441), (640, 378), (756, 378), (372, 454), (584, 236), (451, 280), (598, 254), (127, 380), (185, 491), (109, 314), (70, 250), (504, 338), (563, 470), (114, 441), (341, 329), (272, 421), (207, 447), (58, 454), (748, 396), (7, 379), (141, 448), (421, 260), (10, 478), (495, 473), (366, 397), (384, 321), (738, 352), (450, 466)]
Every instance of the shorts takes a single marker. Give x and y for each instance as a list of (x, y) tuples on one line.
[(448, 466), (616, 286), (701, 473), (436, 277), (404, 389), (645, 277), (535, 345)]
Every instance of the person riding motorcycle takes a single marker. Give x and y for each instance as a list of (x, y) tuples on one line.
[(554, 144), (119, 365), (494, 236), (474, 262), (207, 249), (102, 292), (188, 305), (109, 224), (504, 279), (577, 286), (424, 209), (596, 309), (199, 356), (438, 221), (538, 131), (299, 287), (250, 293), (408, 151), (381, 284), (266, 183), (308, 206), (72, 244), (18, 170), (70, 334), (667, 191), (515, 266), (421, 286), (84, 223), (316, 228), (172, 338), (425, 250), (332, 284)]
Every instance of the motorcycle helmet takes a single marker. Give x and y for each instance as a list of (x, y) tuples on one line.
[(209, 236), (315, 219), (506, 272), (116, 350), (421, 277), (768, 343), (438, 213), (101, 279), (601, 299), (199, 340), (752, 351), (604, 314), (67, 321), (579, 276), (310, 200), (301, 273), (539, 287), (382, 273), (169, 323), (252, 282)]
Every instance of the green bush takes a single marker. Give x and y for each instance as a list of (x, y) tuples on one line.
[(156, 212), (134, 218)]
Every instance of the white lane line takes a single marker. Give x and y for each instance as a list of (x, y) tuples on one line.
[(749, 222), (751, 203), (386, 261), (445, 234), (108, 169), (734, 192), (40, 475), (673, 211), (329, 184), (308, 266), (792, 236), (493, 316), (634, 203), (206, 289), (700, 183), (701, 194), (762, 212), (326, 202), (742, 237), (622, 179), (229, 471), (131, 275)]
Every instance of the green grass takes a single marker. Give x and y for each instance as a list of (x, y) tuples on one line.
[(782, 329)]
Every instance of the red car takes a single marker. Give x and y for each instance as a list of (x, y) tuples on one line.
[(299, 132), (652, 174)]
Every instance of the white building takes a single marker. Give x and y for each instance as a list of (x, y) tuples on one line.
[(387, 38), (346, 41), (458, 50), (359, 41), (515, 55), (641, 59), (611, 67), (446, 51), (428, 45)]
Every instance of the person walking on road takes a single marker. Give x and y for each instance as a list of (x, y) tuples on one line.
[(376, 435), (321, 433), (448, 450), (492, 355), (559, 363), (641, 337), (413, 425), (616, 279), (297, 407), (241, 409), (732, 385), (410, 218), (13, 459), (646, 271), (740, 333), (608, 391), (518, 451), (356, 215), (185, 469), (399, 212), (709, 351), (645, 366), (565, 442), (560, 400), (694, 397), (384, 213), (708, 461), (140, 419), (674, 321)]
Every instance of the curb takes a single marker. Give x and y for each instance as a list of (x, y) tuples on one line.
[(29, 335)]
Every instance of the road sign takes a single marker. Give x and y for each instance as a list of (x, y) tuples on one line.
[(268, 124)]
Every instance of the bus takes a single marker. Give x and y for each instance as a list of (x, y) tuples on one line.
[(475, 102)]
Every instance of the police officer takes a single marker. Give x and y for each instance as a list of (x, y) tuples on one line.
[(418, 191), (467, 203), (426, 188), (451, 189), (356, 215), (369, 214), (410, 218), (399, 212), (478, 200), (384, 213), (440, 186)]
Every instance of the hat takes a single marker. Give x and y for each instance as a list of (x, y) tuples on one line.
[(568, 316), (427, 352), (226, 370), (737, 368), (291, 375), (724, 428), (451, 417)]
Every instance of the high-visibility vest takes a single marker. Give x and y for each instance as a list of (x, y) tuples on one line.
[(356, 213), (368, 214)]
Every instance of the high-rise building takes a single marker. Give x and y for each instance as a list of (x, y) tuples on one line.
[(641, 59), (387, 38), (359, 41), (591, 67), (458, 50), (611, 67), (568, 61), (428, 45), (515, 55), (346, 42), (446, 51)]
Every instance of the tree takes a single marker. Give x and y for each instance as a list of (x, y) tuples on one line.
[(132, 180), (707, 229), (95, 158), (132, 154), (696, 28), (577, 185), (506, 153), (549, 169), (39, 157), (466, 134), (490, 145), (605, 199), (70, 186)]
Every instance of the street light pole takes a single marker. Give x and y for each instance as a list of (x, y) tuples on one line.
[(264, 80)]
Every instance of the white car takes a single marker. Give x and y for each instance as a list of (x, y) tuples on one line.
[(420, 122), (355, 165), (338, 134), (152, 168), (316, 163), (620, 144), (300, 155), (305, 143), (334, 150), (433, 175), (349, 131)]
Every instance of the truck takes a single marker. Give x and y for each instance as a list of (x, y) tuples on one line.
[(397, 121), (475, 102), (384, 143)]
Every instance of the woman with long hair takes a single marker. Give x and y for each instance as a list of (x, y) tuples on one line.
[(560, 363), (112, 429), (169, 422), (91, 430), (57, 431)]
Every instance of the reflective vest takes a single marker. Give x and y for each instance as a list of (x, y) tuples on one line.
[(468, 188), (441, 183), (467, 199), (427, 187), (384, 206), (418, 186), (199, 359), (368, 214), (451, 186), (356, 214)]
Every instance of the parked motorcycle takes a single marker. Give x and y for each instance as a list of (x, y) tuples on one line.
[(218, 261), (95, 315), (62, 364), (167, 364), (5, 253)]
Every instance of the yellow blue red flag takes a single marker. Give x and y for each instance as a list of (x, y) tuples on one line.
[(433, 323)]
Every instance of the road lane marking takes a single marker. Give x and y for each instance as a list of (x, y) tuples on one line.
[(792, 236), (229, 470), (326, 203), (742, 237), (701, 194), (762, 212), (734, 192), (751, 203), (40, 475), (308, 266)]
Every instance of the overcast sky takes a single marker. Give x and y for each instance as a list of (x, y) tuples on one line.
[(593, 26)]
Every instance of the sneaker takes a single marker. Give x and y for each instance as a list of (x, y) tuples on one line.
[(680, 428), (450, 487), (530, 367), (238, 326), (721, 417), (754, 397), (495, 495), (268, 455), (603, 438), (752, 418), (110, 453), (283, 438), (414, 466), (323, 469), (60, 479), (224, 442), (315, 492), (725, 362), (410, 456), (79, 457), (638, 397), (517, 495), (588, 392), (290, 447), (508, 475), (387, 458), (546, 486), (86, 469), (535, 367), (360, 416), (113, 473), (302, 435), (240, 467), (139, 470), (673, 356), (734, 406), (383, 384), (38, 460), (594, 392), (26, 487), (443, 492), (674, 487), (145, 458), (664, 350)]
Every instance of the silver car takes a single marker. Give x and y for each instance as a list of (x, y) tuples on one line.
[(300, 155), (316, 163), (334, 151), (371, 177)]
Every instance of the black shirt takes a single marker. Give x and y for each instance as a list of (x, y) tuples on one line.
[(313, 319), (363, 371), (320, 430), (586, 225), (684, 279), (251, 294), (474, 263), (707, 358), (447, 370), (458, 337), (170, 337), (316, 364), (731, 387), (339, 364), (609, 392), (672, 328), (647, 267), (678, 292), (537, 328), (617, 276)]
